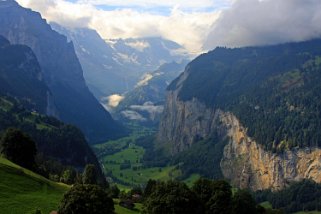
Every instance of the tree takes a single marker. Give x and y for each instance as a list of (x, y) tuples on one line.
[(19, 148), (68, 176), (215, 196), (243, 203), (172, 197), (114, 191), (150, 187), (86, 199), (90, 175)]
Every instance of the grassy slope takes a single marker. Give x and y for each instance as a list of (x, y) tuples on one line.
[(23, 191), (126, 150)]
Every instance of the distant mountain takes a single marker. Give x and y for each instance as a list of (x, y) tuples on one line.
[(251, 115), (145, 102), (21, 77), (61, 71), (115, 66)]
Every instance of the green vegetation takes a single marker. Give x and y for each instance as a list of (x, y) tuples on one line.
[(304, 195), (18, 148), (274, 91), (86, 199), (124, 161), (56, 142), (127, 168), (23, 191)]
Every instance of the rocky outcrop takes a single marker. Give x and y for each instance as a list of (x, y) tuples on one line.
[(184, 123), (245, 162), (248, 165)]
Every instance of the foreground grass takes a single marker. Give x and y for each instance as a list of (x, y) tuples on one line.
[(23, 191)]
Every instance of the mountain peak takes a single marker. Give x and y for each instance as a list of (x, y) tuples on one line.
[(8, 3)]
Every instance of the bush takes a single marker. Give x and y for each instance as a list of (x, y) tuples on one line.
[(86, 199)]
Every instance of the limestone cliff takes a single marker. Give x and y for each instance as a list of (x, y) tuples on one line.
[(245, 162)]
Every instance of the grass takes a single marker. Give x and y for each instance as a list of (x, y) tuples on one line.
[(23, 191), (136, 174), (122, 160), (266, 205), (191, 180)]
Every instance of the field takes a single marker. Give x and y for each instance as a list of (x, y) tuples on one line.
[(126, 167), (23, 191), (122, 161)]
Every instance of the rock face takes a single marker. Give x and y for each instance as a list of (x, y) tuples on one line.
[(21, 77), (61, 70), (245, 162), (260, 102), (248, 165)]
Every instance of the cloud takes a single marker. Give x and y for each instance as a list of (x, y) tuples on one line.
[(261, 22), (133, 115), (135, 112), (138, 45), (148, 107), (188, 28), (112, 101), (157, 3)]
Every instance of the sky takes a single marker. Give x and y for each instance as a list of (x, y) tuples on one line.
[(183, 21), (198, 25)]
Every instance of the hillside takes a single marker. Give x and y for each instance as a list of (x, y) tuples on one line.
[(61, 69), (54, 139), (262, 103), (23, 191)]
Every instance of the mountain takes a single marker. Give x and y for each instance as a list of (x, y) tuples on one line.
[(251, 114), (21, 77), (145, 102), (115, 66), (61, 69), (24, 99)]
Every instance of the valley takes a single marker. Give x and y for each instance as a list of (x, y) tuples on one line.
[(160, 108), (123, 164)]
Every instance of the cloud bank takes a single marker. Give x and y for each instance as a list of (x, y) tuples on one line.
[(261, 22), (187, 25)]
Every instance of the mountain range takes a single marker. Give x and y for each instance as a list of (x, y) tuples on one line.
[(114, 66), (61, 71)]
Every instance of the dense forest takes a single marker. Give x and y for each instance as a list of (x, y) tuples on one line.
[(304, 195), (59, 145), (274, 90)]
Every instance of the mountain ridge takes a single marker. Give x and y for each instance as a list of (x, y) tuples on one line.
[(61, 69)]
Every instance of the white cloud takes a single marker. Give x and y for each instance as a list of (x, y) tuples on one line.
[(261, 22), (113, 100), (133, 115), (188, 28), (157, 3), (138, 45)]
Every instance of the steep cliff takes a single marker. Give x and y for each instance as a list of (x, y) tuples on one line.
[(261, 102), (248, 165), (21, 77), (61, 70)]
